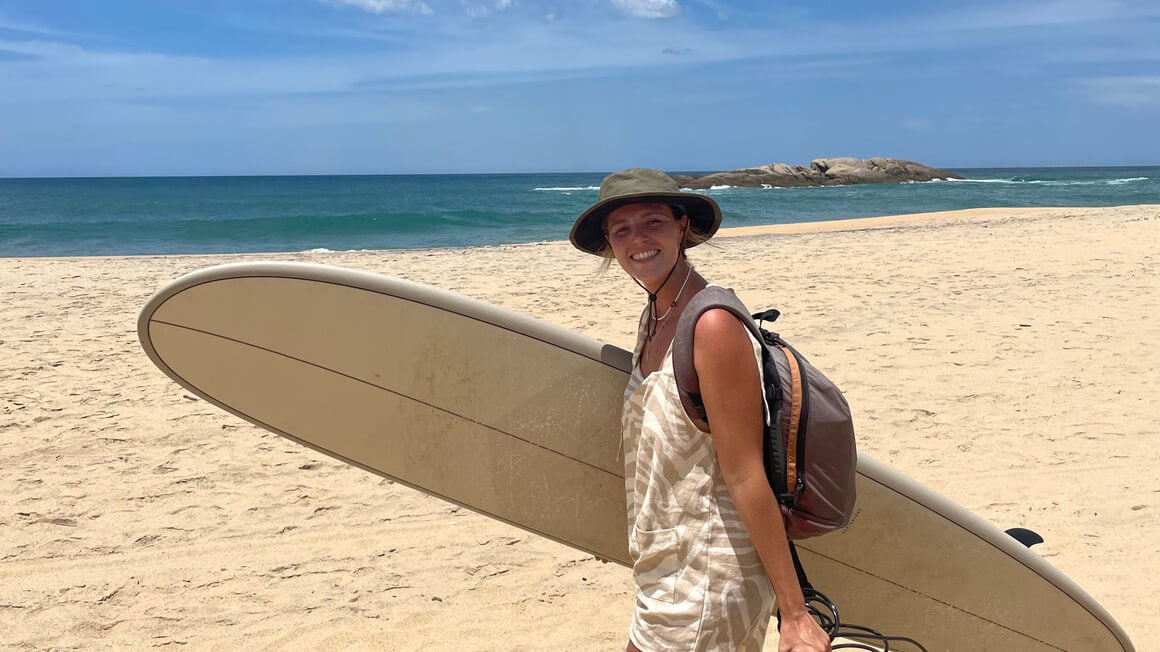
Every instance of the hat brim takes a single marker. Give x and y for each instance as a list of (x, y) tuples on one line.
[(588, 231)]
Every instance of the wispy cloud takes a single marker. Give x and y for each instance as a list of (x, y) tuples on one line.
[(1125, 53), (385, 6), (1132, 92), (28, 28), (521, 47), (716, 7), (647, 8), (38, 49), (1043, 13)]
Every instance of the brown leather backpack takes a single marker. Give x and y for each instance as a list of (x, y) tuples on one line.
[(809, 453)]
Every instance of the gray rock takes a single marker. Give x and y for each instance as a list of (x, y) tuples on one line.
[(821, 172)]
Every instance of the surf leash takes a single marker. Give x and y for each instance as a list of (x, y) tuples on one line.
[(825, 612)]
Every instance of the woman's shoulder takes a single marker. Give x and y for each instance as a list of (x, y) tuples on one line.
[(719, 334), (718, 326), (723, 293), (720, 321)]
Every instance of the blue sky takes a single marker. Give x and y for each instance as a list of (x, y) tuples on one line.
[(176, 87)]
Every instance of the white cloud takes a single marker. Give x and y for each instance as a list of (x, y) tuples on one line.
[(386, 6), (647, 8), (40, 49), (483, 10), (721, 10), (1124, 91)]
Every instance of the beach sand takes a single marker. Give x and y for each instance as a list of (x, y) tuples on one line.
[(1006, 358)]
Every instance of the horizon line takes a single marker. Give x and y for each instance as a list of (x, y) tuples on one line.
[(510, 173)]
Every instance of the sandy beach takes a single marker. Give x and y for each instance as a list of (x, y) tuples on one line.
[(1006, 358)]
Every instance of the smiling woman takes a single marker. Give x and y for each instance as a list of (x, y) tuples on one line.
[(708, 546)]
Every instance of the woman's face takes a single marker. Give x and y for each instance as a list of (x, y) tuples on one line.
[(646, 240)]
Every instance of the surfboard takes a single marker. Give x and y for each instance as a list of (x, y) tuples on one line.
[(518, 419)]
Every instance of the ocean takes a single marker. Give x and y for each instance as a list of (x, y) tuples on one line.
[(195, 215)]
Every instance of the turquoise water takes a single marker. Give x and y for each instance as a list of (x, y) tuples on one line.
[(182, 215)]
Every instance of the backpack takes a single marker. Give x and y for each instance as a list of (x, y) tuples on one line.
[(809, 454)]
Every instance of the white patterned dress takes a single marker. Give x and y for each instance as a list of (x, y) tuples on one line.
[(700, 584)]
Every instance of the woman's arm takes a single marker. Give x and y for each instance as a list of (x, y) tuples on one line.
[(730, 385)]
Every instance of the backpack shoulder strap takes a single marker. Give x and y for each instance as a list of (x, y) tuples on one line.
[(707, 299)]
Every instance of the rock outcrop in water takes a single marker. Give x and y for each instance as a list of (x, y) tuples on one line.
[(821, 172)]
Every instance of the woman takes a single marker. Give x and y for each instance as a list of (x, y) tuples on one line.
[(705, 534)]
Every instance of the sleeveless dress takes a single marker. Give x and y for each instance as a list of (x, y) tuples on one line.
[(700, 584)]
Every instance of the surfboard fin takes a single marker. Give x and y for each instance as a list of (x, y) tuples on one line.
[(1025, 536)]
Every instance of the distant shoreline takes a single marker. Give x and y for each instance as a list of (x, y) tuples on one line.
[(689, 172)]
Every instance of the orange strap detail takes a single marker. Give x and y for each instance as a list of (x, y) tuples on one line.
[(795, 415)]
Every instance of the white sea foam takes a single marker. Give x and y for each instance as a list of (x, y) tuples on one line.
[(324, 250), (1056, 182), (722, 187)]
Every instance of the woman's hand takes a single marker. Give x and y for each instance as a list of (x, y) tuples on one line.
[(801, 633)]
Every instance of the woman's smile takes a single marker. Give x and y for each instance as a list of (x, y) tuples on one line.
[(646, 240)]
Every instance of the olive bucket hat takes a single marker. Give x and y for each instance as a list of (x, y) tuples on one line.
[(642, 185)]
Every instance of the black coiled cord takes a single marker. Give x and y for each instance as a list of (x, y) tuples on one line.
[(823, 610)]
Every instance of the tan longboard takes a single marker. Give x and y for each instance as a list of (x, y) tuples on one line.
[(519, 420)]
